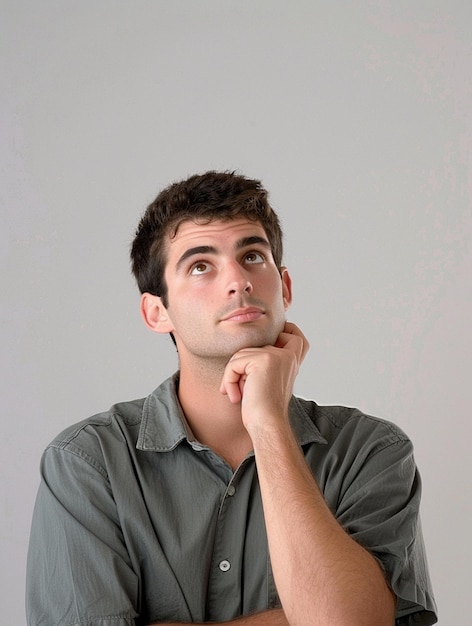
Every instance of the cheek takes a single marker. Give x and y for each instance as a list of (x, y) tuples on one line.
[(275, 289), (190, 313)]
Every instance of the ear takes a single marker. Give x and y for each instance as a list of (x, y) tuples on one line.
[(155, 314), (286, 287)]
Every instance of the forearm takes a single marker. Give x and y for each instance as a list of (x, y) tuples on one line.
[(322, 575), (273, 617)]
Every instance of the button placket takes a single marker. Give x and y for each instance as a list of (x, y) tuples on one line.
[(228, 553)]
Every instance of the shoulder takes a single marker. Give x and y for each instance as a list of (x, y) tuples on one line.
[(349, 427), (101, 434), (106, 438), (128, 414)]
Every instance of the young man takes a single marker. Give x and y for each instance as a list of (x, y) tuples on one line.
[(221, 496)]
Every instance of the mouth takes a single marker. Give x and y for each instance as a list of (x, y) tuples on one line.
[(247, 314)]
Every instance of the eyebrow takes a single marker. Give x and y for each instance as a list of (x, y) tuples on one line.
[(244, 242)]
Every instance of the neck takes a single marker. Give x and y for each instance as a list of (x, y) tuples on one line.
[(214, 420)]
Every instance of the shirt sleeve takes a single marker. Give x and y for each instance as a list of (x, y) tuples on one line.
[(78, 569), (380, 510)]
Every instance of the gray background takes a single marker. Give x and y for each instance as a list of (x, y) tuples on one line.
[(356, 116)]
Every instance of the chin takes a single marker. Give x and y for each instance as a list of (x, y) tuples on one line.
[(256, 339)]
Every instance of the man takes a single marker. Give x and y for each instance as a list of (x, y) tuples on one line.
[(221, 496)]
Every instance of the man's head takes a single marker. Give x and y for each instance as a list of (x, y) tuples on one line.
[(200, 198)]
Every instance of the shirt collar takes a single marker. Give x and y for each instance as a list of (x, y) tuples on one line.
[(164, 426), (302, 422)]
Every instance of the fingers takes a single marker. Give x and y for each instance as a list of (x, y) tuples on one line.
[(234, 391), (244, 362), (234, 377), (293, 339)]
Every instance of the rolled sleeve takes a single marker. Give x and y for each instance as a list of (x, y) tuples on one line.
[(380, 510), (366, 470), (78, 567)]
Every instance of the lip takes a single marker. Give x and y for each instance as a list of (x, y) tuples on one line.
[(247, 314)]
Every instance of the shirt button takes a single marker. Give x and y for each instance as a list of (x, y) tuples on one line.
[(231, 490), (225, 565)]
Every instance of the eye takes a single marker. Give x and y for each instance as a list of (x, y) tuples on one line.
[(254, 257), (201, 267)]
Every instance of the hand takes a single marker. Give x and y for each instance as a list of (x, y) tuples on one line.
[(262, 378)]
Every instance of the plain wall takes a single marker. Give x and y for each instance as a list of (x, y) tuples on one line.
[(358, 119)]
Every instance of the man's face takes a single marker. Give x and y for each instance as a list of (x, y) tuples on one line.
[(224, 289)]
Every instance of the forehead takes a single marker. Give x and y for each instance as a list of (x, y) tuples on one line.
[(223, 232)]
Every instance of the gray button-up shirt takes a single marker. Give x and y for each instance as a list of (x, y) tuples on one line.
[(136, 522)]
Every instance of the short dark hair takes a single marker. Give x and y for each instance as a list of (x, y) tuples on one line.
[(201, 197)]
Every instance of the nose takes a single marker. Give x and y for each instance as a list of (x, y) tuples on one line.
[(237, 280)]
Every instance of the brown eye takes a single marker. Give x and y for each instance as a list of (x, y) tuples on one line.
[(200, 268), (254, 257)]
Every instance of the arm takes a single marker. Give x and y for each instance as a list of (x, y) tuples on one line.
[(79, 567), (77, 562), (315, 562)]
